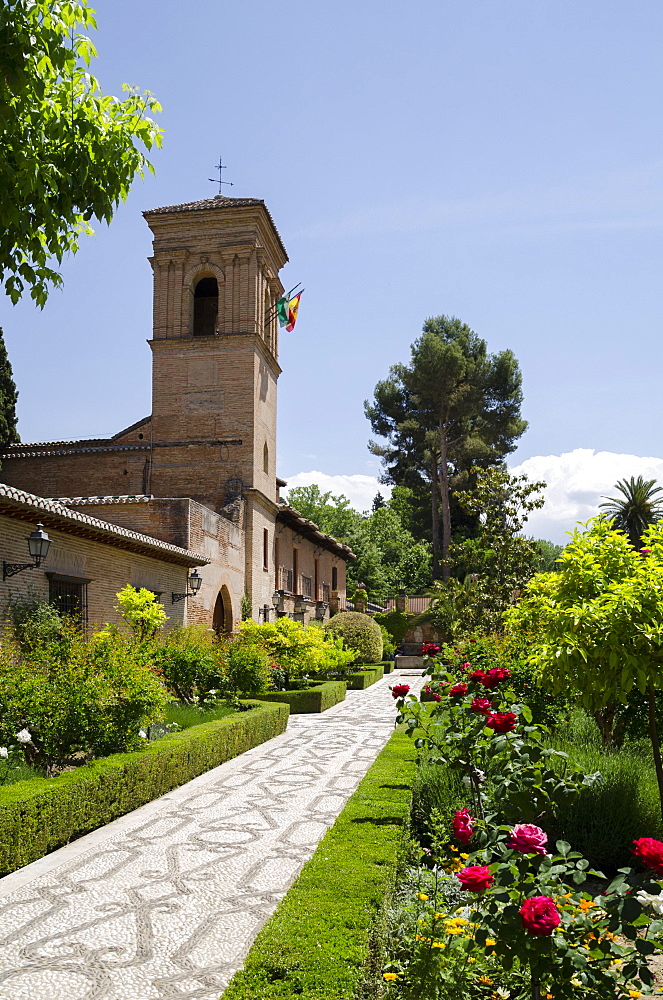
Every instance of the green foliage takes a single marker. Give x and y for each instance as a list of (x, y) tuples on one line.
[(313, 699), (611, 813), (638, 508), (34, 622), (547, 556), (298, 649), (68, 153), (359, 633), (332, 514), (8, 399), (327, 936), (191, 662), (247, 669), (246, 608), (74, 697), (141, 611), (39, 815), (388, 647), (395, 622)]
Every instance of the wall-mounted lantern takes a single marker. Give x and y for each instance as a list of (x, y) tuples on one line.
[(320, 610), (195, 581), (300, 604), (38, 545)]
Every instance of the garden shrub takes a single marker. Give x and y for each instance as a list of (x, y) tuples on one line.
[(363, 679), (191, 660), (317, 698), (77, 698), (299, 650), (247, 669), (34, 622), (388, 646), (395, 622), (141, 611), (360, 633), (39, 815)]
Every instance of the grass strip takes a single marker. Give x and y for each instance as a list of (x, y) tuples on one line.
[(304, 701), (324, 940), (41, 814), (363, 679)]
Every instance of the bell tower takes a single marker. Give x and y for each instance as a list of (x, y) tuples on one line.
[(216, 266)]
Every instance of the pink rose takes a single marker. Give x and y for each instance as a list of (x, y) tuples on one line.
[(463, 826), (540, 915), (650, 852), (476, 878), (528, 839)]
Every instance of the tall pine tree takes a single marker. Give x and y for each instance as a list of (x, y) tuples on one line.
[(8, 397)]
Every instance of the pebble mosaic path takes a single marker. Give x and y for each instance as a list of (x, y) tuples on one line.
[(163, 904)]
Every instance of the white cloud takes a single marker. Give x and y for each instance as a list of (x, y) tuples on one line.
[(577, 480), (359, 490)]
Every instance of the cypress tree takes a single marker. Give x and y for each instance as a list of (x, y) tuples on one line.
[(8, 397)]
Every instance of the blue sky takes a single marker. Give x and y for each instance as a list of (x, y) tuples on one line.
[(498, 162)]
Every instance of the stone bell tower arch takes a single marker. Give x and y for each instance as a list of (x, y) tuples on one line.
[(215, 368)]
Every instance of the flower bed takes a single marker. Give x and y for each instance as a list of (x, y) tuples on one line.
[(304, 701), (363, 679), (41, 814), (325, 940)]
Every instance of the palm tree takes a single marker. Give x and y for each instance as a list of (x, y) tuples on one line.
[(637, 510)]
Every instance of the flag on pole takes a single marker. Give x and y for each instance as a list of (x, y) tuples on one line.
[(282, 311), (293, 309)]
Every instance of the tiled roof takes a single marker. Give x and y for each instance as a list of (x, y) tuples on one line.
[(57, 516), (91, 501), (310, 530), (217, 202)]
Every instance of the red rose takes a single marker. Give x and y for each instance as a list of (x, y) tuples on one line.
[(477, 675), (528, 839), (501, 722), (650, 853), (476, 878), (471, 640), (399, 690), (466, 665), (463, 826), (540, 915), (457, 689), (482, 705), (493, 677), (429, 649)]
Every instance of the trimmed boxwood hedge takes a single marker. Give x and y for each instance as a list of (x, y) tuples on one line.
[(41, 814), (364, 678), (325, 940), (303, 701), (388, 666)]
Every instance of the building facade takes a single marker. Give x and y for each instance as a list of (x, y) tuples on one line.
[(199, 472)]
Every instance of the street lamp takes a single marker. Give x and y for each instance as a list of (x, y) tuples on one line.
[(194, 581), (38, 546)]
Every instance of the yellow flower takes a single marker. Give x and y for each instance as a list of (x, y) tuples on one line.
[(585, 905), (390, 976), (452, 848), (439, 944), (422, 895), (634, 993), (489, 942), (464, 857), (471, 961), (485, 980)]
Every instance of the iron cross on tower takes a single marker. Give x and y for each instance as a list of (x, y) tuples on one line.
[(220, 166)]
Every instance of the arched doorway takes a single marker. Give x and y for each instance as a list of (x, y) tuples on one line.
[(222, 620)]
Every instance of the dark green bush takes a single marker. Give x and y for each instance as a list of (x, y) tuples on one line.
[(395, 622), (191, 661), (39, 815), (34, 622), (365, 678), (247, 669), (317, 698), (359, 632), (326, 939)]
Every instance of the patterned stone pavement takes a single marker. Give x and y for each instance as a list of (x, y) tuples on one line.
[(163, 904)]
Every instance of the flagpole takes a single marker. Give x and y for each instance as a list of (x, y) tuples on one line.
[(272, 311)]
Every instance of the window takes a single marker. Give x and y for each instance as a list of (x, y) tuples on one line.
[(325, 593), (277, 574), (334, 578), (265, 548), (307, 586), (316, 579), (286, 580), (205, 307), (265, 459), (69, 595), (295, 570)]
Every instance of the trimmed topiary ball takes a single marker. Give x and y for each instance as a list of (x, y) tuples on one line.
[(360, 633)]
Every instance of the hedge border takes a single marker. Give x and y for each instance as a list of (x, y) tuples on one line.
[(363, 679), (388, 666), (40, 814), (325, 940), (304, 701)]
